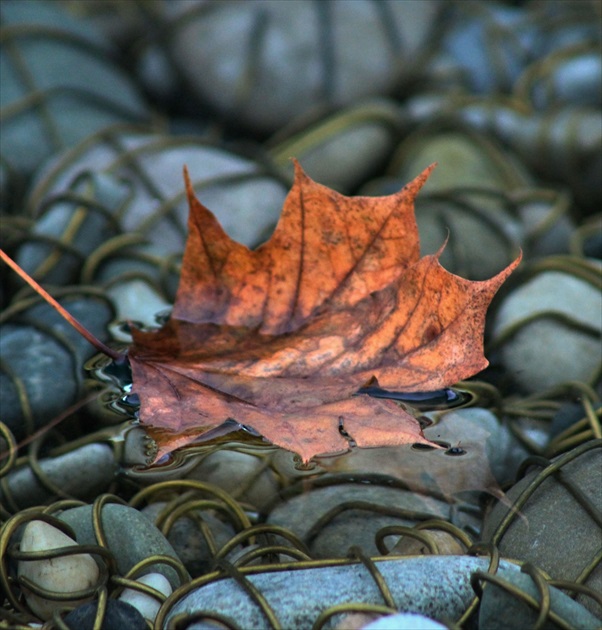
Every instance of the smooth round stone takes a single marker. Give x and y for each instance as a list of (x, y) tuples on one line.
[(562, 145), (548, 226), (40, 99), (68, 231), (342, 150), (44, 355), (147, 605), (188, 539), (83, 473), (140, 282), (252, 63), (466, 198), (39, 362), (352, 526), (482, 62), (465, 159), (118, 616), (571, 75), (130, 535), (553, 531), (245, 195), (500, 609), (437, 587), (545, 350), (64, 574), (405, 621)]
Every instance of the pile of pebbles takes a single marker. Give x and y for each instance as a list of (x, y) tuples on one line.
[(102, 103)]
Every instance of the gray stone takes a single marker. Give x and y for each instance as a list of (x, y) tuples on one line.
[(82, 473), (553, 531), (500, 609), (437, 587), (546, 350), (254, 64), (340, 151), (72, 226), (130, 535), (352, 525), (43, 355), (245, 195), (40, 99), (189, 536)]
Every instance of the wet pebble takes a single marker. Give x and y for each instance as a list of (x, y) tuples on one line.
[(443, 542), (42, 100), (147, 605), (71, 226), (117, 616), (62, 574), (438, 587), (130, 536)]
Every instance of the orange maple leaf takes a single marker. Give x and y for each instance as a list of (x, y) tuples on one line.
[(281, 338)]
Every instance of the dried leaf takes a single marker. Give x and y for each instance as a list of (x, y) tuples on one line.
[(281, 338)]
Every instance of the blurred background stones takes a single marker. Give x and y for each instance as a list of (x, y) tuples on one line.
[(46, 108), (253, 64), (102, 104)]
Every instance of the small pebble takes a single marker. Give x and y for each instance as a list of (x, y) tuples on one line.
[(63, 574), (147, 605)]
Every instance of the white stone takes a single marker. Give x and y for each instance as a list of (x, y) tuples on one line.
[(63, 574), (404, 621), (147, 605)]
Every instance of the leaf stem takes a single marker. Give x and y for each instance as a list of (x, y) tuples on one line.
[(81, 329)]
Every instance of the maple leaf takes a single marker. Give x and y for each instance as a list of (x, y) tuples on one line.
[(280, 339)]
